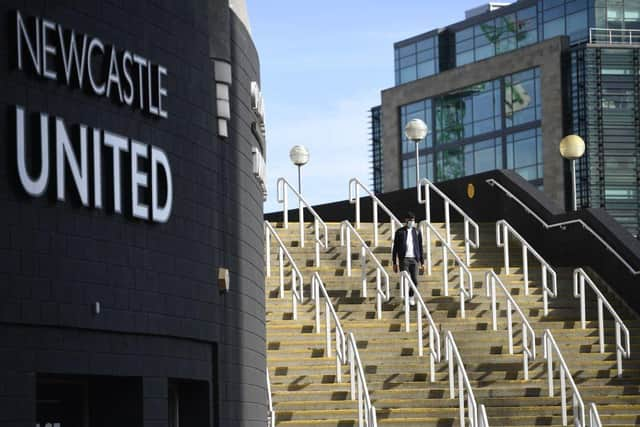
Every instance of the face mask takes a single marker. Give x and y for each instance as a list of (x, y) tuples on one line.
[(411, 223)]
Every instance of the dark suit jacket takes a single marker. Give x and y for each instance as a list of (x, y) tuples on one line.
[(400, 245)]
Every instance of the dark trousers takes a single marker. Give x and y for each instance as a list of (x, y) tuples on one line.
[(410, 265)]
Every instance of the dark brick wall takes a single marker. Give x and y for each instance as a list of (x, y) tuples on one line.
[(162, 315)]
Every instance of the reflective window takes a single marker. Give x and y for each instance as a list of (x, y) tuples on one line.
[(482, 156), (565, 17), (472, 111), (416, 60), (524, 153), (522, 97), (409, 170), (450, 163), (417, 110), (495, 36)]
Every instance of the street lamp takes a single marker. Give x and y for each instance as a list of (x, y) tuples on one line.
[(299, 155), (572, 148), (416, 130)]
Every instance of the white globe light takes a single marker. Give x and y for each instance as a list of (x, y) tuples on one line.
[(415, 130), (299, 155), (572, 147)]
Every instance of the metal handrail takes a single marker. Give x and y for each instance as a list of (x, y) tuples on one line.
[(296, 275), (528, 334), (434, 336), (318, 290), (426, 201), (271, 414), (579, 278), (317, 221), (381, 272), (503, 229), (354, 198), (614, 35), (549, 346), (464, 272), (452, 355), (564, 224), (594, 416), (366, 411)]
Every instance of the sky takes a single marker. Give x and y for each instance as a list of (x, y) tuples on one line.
[(323, 65)]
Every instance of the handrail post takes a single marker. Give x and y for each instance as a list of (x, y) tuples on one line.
[(447, 221), (301, 221), (285, 204), (583, 308), (348, 237), (467, 256), (375, 223), (294, 290), (281, 263), (357, 197), (545, 290), (600, 325), (405, 283), (505, 245), (267, 250), (327, 325), (316, 232), (419, 328), (525, 267), (445, 271), (363, 268)]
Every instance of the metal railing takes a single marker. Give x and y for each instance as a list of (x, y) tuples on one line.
[(594, 416), (320, 241), (366, 411), (564, 224), (297, 280), (271, 415), (319, 291), (614, 36), (623, 347), (477, 415), (503, 229), (448, 204), (346, 230), (464, 274), (407, 284), (528, 334), (550, 346), (354, 198)]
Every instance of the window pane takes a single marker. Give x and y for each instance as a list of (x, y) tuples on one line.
[(554, 28)]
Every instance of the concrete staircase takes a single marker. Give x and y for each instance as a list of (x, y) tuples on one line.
[(304, 390)]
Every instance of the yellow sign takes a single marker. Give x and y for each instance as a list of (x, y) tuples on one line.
[(471, 190)]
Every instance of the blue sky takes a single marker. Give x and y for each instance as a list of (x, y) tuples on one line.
[(323, 65)]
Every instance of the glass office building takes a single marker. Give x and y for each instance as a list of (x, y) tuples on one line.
[(496, 122)]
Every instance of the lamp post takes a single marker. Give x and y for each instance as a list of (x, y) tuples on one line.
[(299, 155), (416, 130), (572, 148)]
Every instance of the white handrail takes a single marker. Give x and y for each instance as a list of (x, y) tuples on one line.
[(594, 416), (271, 414), (550, 346), (318, 290), (381, 272), (296, 275), (623, 348), (448, 203), (434, 336), (564, 224), (503, 229), (528, 334), (464, 274), (452, 356), (317, 221), (354, 198), (366, 411)]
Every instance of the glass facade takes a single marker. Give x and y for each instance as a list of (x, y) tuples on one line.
[(375, 148), (606, 113), (417, 59), (478, 128)]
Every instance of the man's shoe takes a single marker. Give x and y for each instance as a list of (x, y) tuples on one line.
[(412, 300)]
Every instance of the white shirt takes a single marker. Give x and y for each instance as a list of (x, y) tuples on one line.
[(410, 253)]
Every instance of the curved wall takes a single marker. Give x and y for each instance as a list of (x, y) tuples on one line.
[(162, 320)]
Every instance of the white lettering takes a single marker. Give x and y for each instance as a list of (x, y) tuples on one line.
[(160, 213), (97, 169), (48, 49), (79, 171), (34, 187), (162, 91), (70, 55), (97, 89), (142, 62), (114, 74), (23, 35), (138, 180), (117, 143), (128, 95)]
